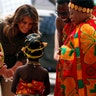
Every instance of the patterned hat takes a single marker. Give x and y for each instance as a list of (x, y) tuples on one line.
[(34, 47), (82, 5)]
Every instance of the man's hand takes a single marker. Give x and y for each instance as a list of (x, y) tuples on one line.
[(56, 56)]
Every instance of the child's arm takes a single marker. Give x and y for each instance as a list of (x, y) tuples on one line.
[(15, 81)]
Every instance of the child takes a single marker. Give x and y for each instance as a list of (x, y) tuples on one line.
[(31, 79)]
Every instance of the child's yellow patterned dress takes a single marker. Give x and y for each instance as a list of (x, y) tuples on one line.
[(35, 87)]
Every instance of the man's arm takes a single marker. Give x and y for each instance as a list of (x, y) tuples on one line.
[(58, 40)]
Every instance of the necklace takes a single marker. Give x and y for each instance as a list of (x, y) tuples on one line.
[(90, 17), (34, 63)]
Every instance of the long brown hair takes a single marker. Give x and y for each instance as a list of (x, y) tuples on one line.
[(11, 23)]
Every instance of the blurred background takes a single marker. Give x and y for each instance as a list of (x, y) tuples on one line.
[(46, 10)]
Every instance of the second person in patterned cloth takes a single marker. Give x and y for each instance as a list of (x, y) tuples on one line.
[(79, 53)]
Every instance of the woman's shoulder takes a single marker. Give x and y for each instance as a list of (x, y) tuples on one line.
[(2, 23), (1, 26)]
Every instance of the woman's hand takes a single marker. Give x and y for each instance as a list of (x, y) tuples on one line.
[(8, 73), (3, 70)]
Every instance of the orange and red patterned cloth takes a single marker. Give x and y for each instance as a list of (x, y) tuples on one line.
[(35, 87), (76, 71)]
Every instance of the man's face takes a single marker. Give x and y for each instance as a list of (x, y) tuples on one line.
[(63, 11)]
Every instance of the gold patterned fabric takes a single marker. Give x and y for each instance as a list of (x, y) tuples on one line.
[(77, 68), (35, 87)]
